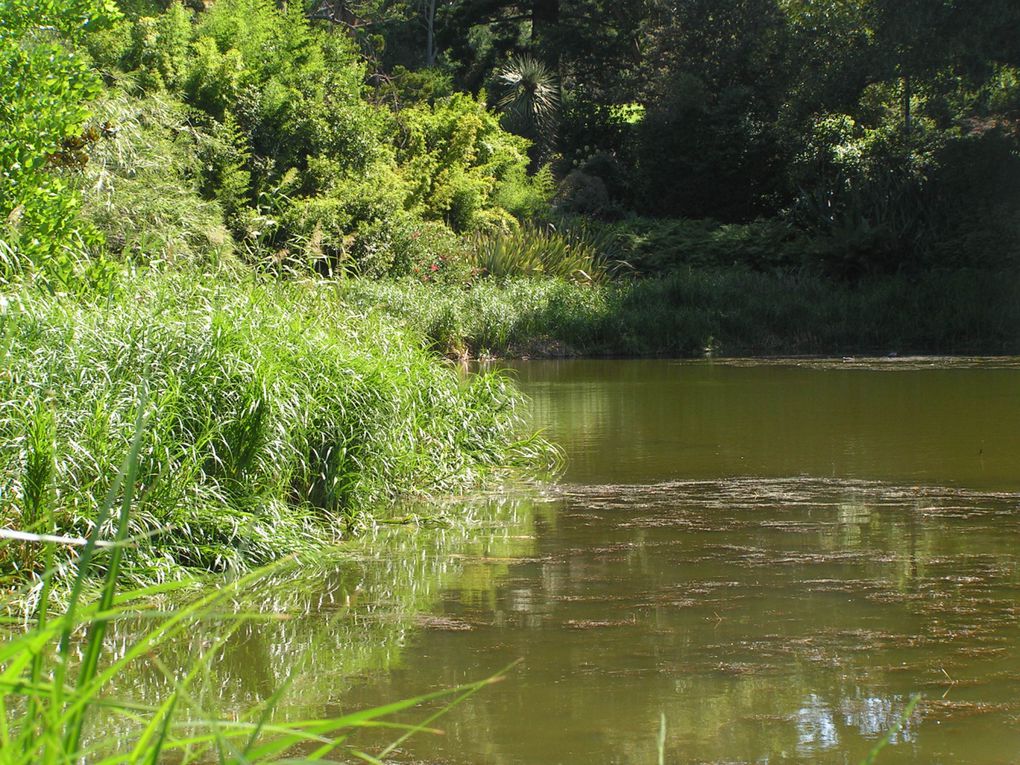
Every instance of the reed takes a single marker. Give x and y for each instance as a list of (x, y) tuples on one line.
[(61, 684), (278, 421), (732, 312)]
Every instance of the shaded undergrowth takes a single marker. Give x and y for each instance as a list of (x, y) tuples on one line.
[(727, 312)]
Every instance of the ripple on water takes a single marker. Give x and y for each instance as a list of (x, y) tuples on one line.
[(847, 595)]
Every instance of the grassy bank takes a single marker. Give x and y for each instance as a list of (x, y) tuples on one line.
[(729, 312), (282, 413), (277, 419), (65, 690)]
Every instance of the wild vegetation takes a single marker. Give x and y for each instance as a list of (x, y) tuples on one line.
[(734, 312), (276, 419), (62, 691), (260, 213), (376, 138), (236, 237), (233, 204)]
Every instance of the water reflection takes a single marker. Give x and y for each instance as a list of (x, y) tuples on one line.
[(325, 623), (872, 716), (769, 620), (816, 728), (721, 556)]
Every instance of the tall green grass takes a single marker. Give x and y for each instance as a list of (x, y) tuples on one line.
[(140, 188), (61, 680), (278, 419), (727, 312)]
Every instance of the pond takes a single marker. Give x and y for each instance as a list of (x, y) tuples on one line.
[(770, 557)]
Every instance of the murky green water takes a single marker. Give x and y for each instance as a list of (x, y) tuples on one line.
[(772, 556), (925, 421)]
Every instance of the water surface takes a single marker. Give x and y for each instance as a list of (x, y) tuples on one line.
[(772, 556), (769, 620), (940, 422)]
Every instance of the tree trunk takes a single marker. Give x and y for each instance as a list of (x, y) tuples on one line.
[(545, 16), (430, 32), (907, 119)]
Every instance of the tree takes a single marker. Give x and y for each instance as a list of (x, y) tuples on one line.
[(596, 37), (384, 26), (530, 100), (44, 90), (428, 8), (716, 80)]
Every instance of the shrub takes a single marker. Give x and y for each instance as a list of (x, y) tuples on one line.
[(44, 89), (214, 82), (306, 170), (406, 87), (294, 89), (703, 152), (343, 223), (159, 49), (878, 201), (656, 246), (582, 194), (976, 189), (455, 155), (428, 250), (523, 196), (539, 251), (140, 189)]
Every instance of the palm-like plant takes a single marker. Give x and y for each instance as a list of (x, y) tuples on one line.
[(531, 97), (577, 255)]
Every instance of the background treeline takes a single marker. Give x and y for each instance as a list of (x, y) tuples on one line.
[(864, 136), (440, 138)]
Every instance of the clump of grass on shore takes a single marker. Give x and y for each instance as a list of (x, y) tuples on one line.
[(277, 419), (536, 250), (62, 692), (727, 312)]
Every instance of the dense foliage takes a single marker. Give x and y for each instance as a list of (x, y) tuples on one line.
[(794, 175), (243, 127), (697, 312), (275, 419), (44, 85), (336, 135), (884, 130), (188, 189)]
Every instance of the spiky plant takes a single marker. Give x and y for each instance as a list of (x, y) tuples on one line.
[(535, 250), (530, 98)]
